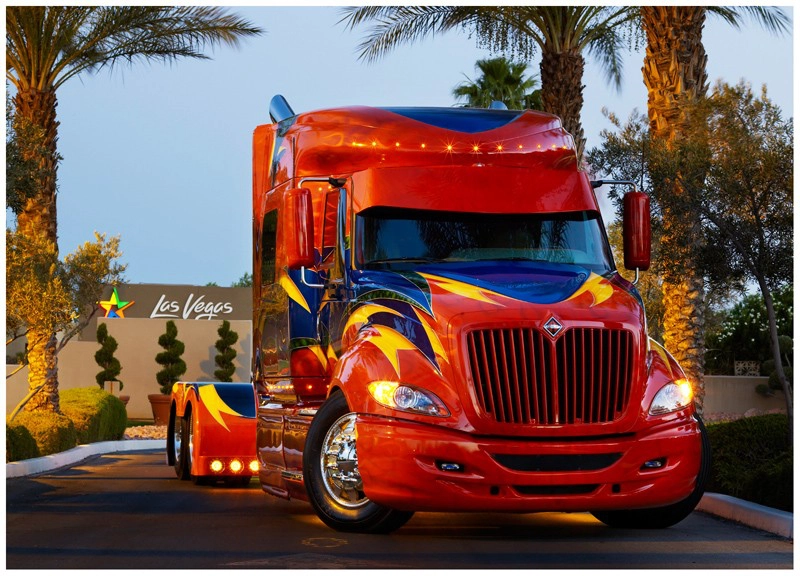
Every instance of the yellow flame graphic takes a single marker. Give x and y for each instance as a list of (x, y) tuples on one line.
[(361, 315), (215, 405), (436, 344), (665, 357), (390, 342), (294, 292), (463, 289), (600, 289), (331, 353), (320, 354)]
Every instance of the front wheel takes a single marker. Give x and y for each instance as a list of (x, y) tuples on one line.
[(332, 479), (664, 516)]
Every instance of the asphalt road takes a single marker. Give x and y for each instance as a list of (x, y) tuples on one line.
[(128, 510)]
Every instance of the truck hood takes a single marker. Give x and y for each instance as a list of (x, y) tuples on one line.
[(415, 309)]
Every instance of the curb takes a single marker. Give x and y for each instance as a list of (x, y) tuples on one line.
[(727, 507), (753, 515), (77, 454)]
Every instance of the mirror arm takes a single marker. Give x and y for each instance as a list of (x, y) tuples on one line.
[(303, 279)]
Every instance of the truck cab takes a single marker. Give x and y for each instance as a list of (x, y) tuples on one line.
[(439, 325)]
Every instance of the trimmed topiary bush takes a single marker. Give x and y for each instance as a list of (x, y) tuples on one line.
[(52, 432), (170, 358), (105, 358), (752, 460), (20, 445), (227, 354), (97, 415)]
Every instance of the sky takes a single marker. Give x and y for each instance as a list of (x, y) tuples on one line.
[(160, 154)]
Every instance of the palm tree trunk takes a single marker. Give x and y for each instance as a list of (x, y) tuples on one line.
[(675, 73), (39, 214), (38, 219), (562, 92), (42, 372), (674, 68)]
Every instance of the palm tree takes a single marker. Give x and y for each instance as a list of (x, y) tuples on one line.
[(48, 45), (501, 80), (561, 33), (675, 74)]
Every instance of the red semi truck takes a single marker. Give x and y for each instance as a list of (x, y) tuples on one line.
[(439, 325)]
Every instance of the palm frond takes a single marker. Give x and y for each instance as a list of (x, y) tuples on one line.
[(773, 19), (396, 25), (45, 46)]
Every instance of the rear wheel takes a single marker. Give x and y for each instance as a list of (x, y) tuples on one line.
[(180, 448), (330, 471), (664, 516)]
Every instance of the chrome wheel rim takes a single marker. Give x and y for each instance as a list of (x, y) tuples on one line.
[(339, 464), (190, 447), (176, 440)]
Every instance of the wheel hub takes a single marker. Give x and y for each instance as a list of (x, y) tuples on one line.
[(176, 440), (339, 461)]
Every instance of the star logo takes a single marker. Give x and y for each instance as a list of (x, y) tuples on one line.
[(114, 307)]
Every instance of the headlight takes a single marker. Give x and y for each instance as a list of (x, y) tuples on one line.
[(407, 398), (674, 396)]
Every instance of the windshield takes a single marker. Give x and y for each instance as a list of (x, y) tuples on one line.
[(400, 239)]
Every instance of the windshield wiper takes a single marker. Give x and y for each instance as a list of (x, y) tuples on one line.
[(514, 258), (408, 259)]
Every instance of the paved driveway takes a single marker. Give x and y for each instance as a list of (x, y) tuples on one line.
[(128, 510)]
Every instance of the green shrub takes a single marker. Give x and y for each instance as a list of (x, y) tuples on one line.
[(97, 415), (752, 460), (52, 432), (20, 445)]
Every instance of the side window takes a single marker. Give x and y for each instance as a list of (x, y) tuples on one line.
[(269, 242), (329, 227)]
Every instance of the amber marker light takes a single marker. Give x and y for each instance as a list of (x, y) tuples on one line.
[(254, 466), (499, 147), (217, 466), (236, 466), (423, 145)]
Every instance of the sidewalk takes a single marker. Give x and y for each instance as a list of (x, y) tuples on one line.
[(753, 515)]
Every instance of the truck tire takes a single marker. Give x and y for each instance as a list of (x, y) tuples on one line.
[(178, 447), (332, 480), (664, 516)]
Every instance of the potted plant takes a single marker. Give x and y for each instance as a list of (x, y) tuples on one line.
[(226, 356), (173, 368), (109, 364)]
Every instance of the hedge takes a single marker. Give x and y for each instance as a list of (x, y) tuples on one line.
[(97, 415), (752, 460), (88, 415), (20, 445), (52, 432)]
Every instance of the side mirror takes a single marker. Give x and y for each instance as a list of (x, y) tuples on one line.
[(636, 230), (299, 230)]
